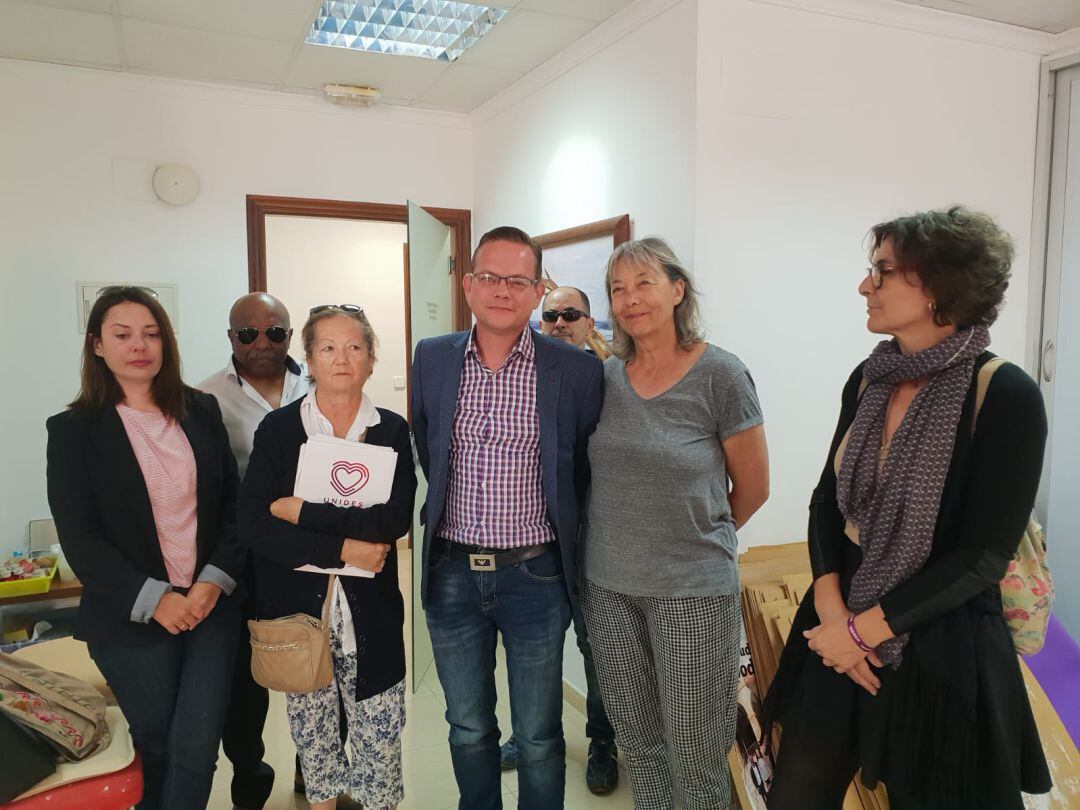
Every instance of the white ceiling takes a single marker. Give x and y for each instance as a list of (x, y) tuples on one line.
[(1052, 16), (260, 43)]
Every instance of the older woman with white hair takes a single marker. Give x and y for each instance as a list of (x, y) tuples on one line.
[(679, 462), (366, 615)]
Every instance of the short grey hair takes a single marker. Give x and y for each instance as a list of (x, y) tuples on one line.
[(654, 252), (307, 334)]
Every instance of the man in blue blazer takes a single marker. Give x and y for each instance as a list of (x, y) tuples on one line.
[(502, 418)]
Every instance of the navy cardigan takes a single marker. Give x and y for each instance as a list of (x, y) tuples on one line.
[(279, 546)]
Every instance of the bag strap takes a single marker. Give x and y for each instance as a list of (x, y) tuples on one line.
[(326, 602), (985, 373)]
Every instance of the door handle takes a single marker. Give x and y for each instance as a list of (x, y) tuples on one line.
[(1047, 355)]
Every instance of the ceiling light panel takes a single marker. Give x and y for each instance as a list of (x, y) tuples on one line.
[(433, 29)]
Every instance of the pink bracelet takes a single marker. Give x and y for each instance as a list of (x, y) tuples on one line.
[(862, 645)]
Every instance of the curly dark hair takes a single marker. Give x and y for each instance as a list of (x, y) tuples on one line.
[(961, 256)]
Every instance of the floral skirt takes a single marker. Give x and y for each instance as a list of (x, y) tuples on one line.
[(373, 778)]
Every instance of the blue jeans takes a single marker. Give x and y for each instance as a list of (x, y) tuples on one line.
[(174, 693), (466, 610)]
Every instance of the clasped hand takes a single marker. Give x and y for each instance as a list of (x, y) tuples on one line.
[(178, 613), (837, 649)]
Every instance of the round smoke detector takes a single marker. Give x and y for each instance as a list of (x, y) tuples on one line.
[(176, 183)]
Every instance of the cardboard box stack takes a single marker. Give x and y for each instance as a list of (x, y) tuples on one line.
[(774, 581)]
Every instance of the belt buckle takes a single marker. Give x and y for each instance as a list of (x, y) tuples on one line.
[(482, 562)]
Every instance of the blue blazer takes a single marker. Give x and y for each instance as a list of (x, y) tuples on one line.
[(569, 396)]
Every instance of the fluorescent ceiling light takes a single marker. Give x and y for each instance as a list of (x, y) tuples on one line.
[(434, 29)]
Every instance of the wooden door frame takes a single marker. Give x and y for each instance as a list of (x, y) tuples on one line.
[(459, 221)]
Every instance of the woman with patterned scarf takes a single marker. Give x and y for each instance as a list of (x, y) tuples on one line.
[(900, 664)]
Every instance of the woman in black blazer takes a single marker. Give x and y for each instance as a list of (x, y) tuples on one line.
[(142, 486), (285, 533)]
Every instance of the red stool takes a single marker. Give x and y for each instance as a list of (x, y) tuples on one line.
[(111, 791)]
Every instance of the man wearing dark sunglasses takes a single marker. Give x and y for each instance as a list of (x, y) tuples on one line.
[(259, 377), (565, 316)]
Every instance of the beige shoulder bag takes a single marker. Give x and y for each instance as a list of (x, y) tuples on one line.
[(1027, 590), (292, 654)]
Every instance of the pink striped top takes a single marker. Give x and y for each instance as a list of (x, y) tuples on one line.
[(168, 467)]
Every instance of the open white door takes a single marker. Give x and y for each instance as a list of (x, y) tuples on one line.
[(1060, 361), (431, 303)]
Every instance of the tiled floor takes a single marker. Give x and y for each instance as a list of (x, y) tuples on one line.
[(429, 779)]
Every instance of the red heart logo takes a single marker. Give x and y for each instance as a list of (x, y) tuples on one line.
[(348, 478)]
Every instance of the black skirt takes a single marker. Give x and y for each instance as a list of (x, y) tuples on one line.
[(950, 729)]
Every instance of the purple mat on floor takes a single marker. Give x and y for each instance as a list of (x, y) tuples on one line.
[(1057, 669)]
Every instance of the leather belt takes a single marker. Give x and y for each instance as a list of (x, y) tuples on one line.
[(481, 558)]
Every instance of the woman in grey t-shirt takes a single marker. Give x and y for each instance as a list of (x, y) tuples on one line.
[(679, 462)]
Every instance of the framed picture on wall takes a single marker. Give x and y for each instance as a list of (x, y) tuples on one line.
[(577, 257)]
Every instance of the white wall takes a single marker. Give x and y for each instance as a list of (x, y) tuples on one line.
[(312, 261), (614, 135), (811, 128), (60, 220)]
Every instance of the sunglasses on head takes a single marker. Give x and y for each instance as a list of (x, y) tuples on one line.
[(249, 334), (569, 315), (353, 308)]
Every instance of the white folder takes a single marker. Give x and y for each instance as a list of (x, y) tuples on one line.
[(344, 473)]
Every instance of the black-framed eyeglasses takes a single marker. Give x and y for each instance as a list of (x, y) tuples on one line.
[(249, 334), (112, 289), (354, 309), (879, 270), (570, 315), (513, 283)]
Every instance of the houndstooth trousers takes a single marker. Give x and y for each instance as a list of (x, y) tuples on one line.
[(668, 671)]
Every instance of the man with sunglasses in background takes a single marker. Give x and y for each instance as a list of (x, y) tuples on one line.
[(259, 377), (502, 417), (565, 316)]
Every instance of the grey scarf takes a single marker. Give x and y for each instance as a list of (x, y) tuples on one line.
[(897, 512)]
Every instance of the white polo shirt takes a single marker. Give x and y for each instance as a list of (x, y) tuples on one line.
[(243, 408)]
